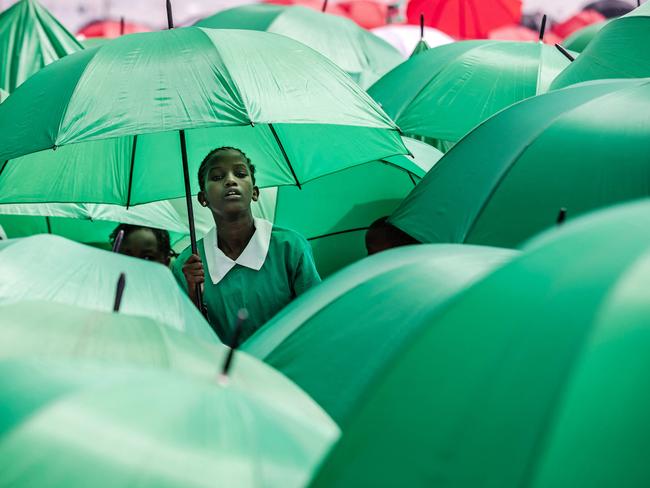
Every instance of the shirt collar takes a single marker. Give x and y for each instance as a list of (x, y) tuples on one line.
[(253, 255)]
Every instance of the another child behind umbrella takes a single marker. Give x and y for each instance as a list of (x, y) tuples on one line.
[(244, 262), (144, 243)]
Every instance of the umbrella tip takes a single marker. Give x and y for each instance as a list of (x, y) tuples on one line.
[(122, 26), (421, 26), (119, 291), (324, 7), (564, 52), (561, 216), (542, 29), (242, 317), (170, 15)]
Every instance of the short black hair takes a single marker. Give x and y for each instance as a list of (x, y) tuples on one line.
[(162, 237), (203, 169)]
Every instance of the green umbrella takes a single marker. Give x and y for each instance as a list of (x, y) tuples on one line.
[(46, 330), (146, 105), (420, 47), (50, 268), (362, 55), (617, 51), (30, 38), (90, 223), (333, 212), (580, 148), (376, 305), (81, 424), (3, 95), (444, 92), (534, 377), (580, 39)]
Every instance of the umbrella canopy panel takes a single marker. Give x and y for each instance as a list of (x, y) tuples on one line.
[(580, 39), (509, 178), (531, 378), (617, 51), (445, 92), (357, 52), (30, 38), (377, 306), (86, 424)]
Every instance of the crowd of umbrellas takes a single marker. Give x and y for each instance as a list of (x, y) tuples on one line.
[(506, 349)]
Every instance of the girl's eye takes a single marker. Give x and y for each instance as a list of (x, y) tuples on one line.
[(216, 177), (242, 174)]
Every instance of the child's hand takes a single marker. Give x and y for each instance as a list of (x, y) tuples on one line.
[(194, 275)]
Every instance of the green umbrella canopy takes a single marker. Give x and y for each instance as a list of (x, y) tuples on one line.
[(619, 50), (85, 424), (580, 148), (54, 331), (293, 112), (90, 223), (334, 212), (579, 40), (446, 91), (420, 47), (376, 306), (50, 268), (535, 377), (30, 38), (364, 56)]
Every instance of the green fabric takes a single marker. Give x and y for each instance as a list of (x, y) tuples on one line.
[(315, 342), (581, 38), (580, 148), (534, 377), (78, 424), (105, 96), (287, 272), (362, 55), (89, 224), (328, 207), (420, 47), (30, 38), (444, 92), (617, 51), (50, 268)]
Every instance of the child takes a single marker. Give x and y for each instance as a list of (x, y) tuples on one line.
[(144, 243), (244, 262)]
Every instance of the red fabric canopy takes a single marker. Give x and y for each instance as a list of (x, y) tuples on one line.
[(110, 29), (516, 32), (578, 21), (313, 4), (367, 13), (465, 19)]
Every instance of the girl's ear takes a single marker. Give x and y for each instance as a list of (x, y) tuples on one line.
[(201, 198), (256, 193)]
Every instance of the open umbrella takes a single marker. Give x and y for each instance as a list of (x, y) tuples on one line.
[(30, 38), (445, 92), (110, 29), (534, 377), (50, 268), (617, 51), (579, 21), (389, 297), (367, 13), (86, 424), (164, 99), (517, 32), (578, 149), (465, 19), (405, 38), (89, 223), (580, 39), (353, 49)]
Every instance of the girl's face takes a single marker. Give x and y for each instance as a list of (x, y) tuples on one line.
[(143, 244), (229, 187)]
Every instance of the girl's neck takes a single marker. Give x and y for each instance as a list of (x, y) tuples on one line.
[(234, 232)]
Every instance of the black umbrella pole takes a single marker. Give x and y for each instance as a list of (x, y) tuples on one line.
[(190, 214)]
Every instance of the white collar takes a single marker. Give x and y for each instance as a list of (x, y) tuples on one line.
[(253, 256)]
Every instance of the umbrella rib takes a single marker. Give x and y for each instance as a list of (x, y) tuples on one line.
[(4, 166), (284, 154), (357, 229), (128, 194)]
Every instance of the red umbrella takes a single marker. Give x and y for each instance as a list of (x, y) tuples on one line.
[(111, 29), (516, 32), (465, 19), (578, 21), (367, 13), (313, 4)]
